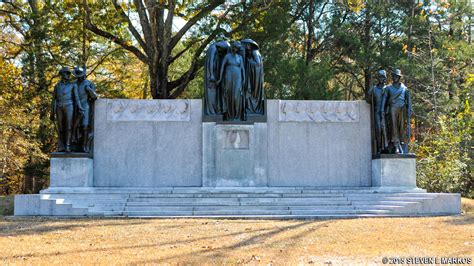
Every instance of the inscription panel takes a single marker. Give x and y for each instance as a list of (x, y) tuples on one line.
[(148, 110), (318, 111)]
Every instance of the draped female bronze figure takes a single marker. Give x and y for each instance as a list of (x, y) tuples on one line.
[(232, 76)]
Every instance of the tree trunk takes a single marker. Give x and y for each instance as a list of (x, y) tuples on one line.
[(367, 38), (152, 73), (310, 40)]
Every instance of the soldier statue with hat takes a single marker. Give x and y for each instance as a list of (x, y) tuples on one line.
[(83, 120), (65, 100), (399, 106)]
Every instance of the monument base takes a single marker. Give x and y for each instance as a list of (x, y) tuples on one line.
[(310, 159), (394, 171), (71, 170), (234, 155)]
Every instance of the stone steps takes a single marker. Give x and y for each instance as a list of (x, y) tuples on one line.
[(279, 202), (253, 212)]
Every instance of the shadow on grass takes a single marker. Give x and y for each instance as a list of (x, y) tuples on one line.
[(221, 253), (463, 219), (35, 225), (258, 236), (6, 205)]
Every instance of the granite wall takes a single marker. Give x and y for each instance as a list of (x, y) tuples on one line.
[(318, 143), (157, 143), (147, 143)]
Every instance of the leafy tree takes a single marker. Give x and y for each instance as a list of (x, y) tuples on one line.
[(153, 41)]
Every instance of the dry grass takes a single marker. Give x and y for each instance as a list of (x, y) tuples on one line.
[(6, 205), (210, 241), (467, 205)]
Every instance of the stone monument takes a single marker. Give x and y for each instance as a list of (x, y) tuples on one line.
[(300, 159)]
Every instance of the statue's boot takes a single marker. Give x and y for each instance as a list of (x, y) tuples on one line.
[(85, 140), (68, 141), (398, 148)]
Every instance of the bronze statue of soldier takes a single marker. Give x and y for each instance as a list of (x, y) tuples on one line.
[(87, 95), (65, 100), (398, 103), (374, 97)]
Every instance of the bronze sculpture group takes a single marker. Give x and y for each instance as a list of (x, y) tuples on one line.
[(73, 111), (233, 88), (233, 80), (392, 110)]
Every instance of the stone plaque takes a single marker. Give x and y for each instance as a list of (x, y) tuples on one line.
[(318, 111), (148, 110)]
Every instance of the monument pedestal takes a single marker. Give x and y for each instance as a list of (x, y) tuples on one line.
[(309, 159), (394, 171), (234, 155), (71, 170)]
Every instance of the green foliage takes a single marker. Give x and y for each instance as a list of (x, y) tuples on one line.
[(296, 80), (445, 163), (17, 143)]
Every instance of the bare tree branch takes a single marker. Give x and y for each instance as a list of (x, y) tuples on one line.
[(132, 29), (144, 22), (110, 36), (204, 11), (180, 53), (101, 60)]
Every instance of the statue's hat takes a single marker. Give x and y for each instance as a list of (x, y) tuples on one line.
[(64, 69), (382, 73), (223, 44), (236, 44), (397, 72), (251, 42), (79, 72)]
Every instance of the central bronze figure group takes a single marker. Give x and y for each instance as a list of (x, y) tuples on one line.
[(233, 81)]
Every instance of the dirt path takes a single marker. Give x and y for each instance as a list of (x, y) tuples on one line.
[(199, 241)]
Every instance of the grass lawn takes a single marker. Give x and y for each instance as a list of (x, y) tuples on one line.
[(211, 241)]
